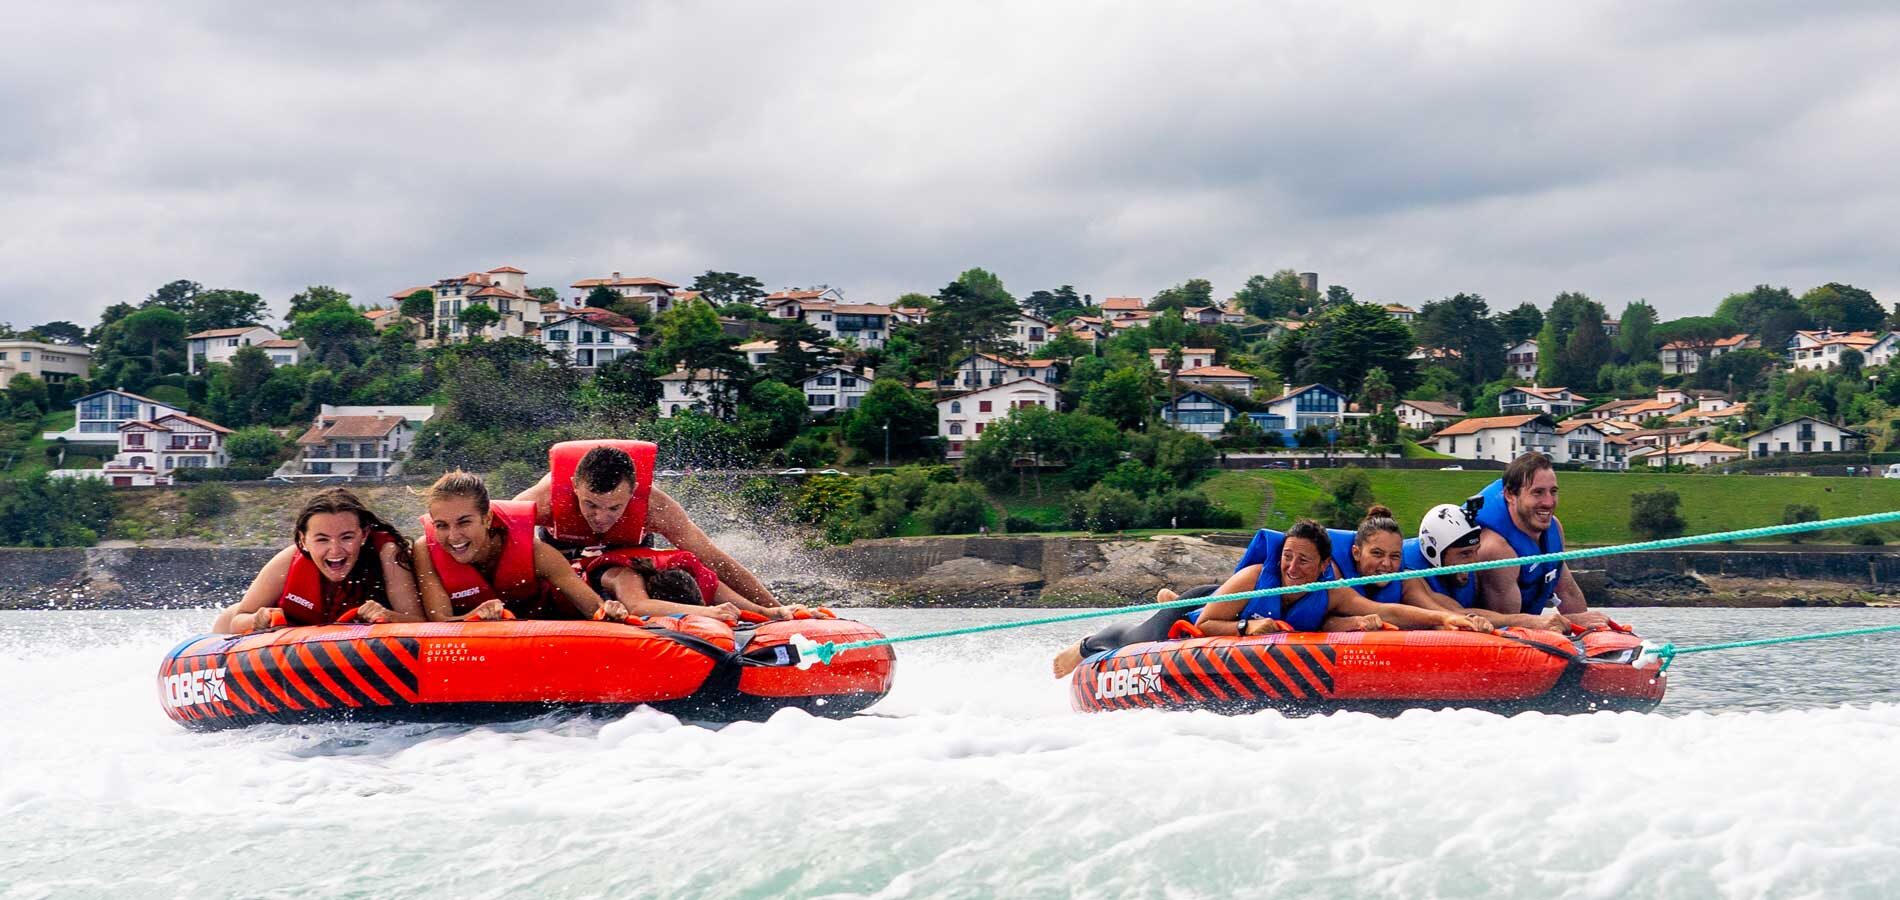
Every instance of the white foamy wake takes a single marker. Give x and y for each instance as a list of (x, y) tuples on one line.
[(972, 780)]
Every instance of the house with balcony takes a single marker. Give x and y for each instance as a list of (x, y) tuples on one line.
[(961, 418), (503, 288), (1804, 435), (1198, 413), (1218, 376), (352, 445), (51, 363), (1202, 315), (150, 452), (1520, 360), (1822, 349), (1312, 404), (98, 415), (657, 294), (590, 338), (983, 369), (1031, 332), (1555, 402), (1689, 356), (218, 345), (837, 388), (1427, 415), (1587, 444), (1500, 438), (1401, 312), (1698, 453), (757, 352)]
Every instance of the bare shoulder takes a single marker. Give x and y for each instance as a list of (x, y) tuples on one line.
[(538, 493), (1493, 546)]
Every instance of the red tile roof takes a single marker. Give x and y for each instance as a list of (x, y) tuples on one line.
[(622, 282), (510, 270), (1215, 372), (1473, 426), (222, 332), (350, 427)]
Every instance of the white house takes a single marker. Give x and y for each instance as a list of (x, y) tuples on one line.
[(504, 289), (356, 446), (1520, 360), (1218, 376), (1700, 453), (681, 391), (1555, 402), (1501, 438), (658, 295), (149, 452), (1823, 349), (1401, 312), (1197, 413), (1122, 307), (982, 369), (51, 363), (757, 352), (1312, 404), (98, 415), (961, 418), (1191, 358), (1688, 357), (1031, 332), (220, 344), (1427, 415), (866, 324), (285, 351), (1804, 435), (837, 387), (590, 338), (1586, 444), (1882, 352)]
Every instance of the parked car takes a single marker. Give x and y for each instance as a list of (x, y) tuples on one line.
[(793, 472), (1892, 471), (1277, 464), (830, 472), (1451, 468)]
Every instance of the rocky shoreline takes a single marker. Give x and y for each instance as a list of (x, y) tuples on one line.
[(1005, 571)]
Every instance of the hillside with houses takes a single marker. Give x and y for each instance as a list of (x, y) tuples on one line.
[(1117, 408)]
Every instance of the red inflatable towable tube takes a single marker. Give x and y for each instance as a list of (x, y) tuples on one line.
[(694, 666)]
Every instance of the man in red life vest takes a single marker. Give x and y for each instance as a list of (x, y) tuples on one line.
[(598, 504)]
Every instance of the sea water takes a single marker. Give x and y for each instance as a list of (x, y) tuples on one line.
[(1766, 773)]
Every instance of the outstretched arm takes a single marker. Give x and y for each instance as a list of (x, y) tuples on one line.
[(539, 493), (1418, 593), (1348, 602), (549, 564), (667, 517), (435, 598), (248, 614), (1224, 617)]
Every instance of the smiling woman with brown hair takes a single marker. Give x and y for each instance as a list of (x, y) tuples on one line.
[(325, 577)]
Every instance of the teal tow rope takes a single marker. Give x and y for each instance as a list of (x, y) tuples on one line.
[(809, 650), (1667, 653)]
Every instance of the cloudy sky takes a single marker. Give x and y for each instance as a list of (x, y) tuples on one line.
[(1408, 151)]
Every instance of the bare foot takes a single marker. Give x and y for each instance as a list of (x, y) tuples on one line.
[(1067, 660), (1164, 595)]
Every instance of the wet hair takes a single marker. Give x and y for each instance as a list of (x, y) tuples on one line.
[(368, 570), (669, 585), (603, 469), (457, 484), (1309, 530), (1378, 518), (1522, 469)]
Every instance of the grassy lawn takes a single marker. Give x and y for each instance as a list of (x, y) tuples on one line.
[(31, 458), (1595, 506), (1239, 491), (1410, 450)]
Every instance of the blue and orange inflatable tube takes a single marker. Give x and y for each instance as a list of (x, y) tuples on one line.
[(695, 666)]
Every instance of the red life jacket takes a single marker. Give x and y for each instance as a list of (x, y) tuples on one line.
[(515, 583), (311, 599), (707, 579), (564, 520)]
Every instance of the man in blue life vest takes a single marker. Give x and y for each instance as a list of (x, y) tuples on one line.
[(1519, 516)]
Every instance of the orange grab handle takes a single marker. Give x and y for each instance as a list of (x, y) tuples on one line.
[(746, 615), (1184, 629)]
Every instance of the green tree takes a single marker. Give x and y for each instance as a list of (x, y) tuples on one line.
[(107, 318), (545, 294), (1586, 353), (1694, 329), (1636, 341), (1336, 295), (160, 329), (1772, 314), (792, 362), (1377, 389), (1103, 508), (419, 306), (313, 298), (1276, 296), (968, 320), (1180, 457), (25, 391), (1064, 346), (1655, 515), (477, 317), (602, 297), (1796, 513), (1343, 344), (175, 295), (1088, 445), (626, 388), (1192, 294), (255, 445), (1344, 503), (338, 335), (1523, 321), (776, 412), (209, 501), (38, 511), (59, 332), (1842, 307), (725, 288), (1462, 324), (909, 413), (689, 334), (954, 508), (223, 308), (1124, 397)]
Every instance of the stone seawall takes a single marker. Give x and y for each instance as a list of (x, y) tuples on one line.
[(1011, 570)]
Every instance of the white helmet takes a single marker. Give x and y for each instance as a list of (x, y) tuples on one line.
[(1444, 527)]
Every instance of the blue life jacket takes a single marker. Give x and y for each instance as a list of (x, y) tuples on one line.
[(1392, 592), (1466, 594), (1304, 612), (1536, 584)]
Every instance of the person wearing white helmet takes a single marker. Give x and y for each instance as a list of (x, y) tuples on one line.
[(1449, 536)]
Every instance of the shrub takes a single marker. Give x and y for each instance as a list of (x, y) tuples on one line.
[(1795, 513), (1188, 509), (254, 446), (1272, 440), (1865, 536), (54, 512), (511, 478), (1137, 479), (1311, 436), (1345, 502), (226, 473), (209, 500), (1105, 508), (1656, 514), (1021, 525), (806, 450), (953, 508)]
